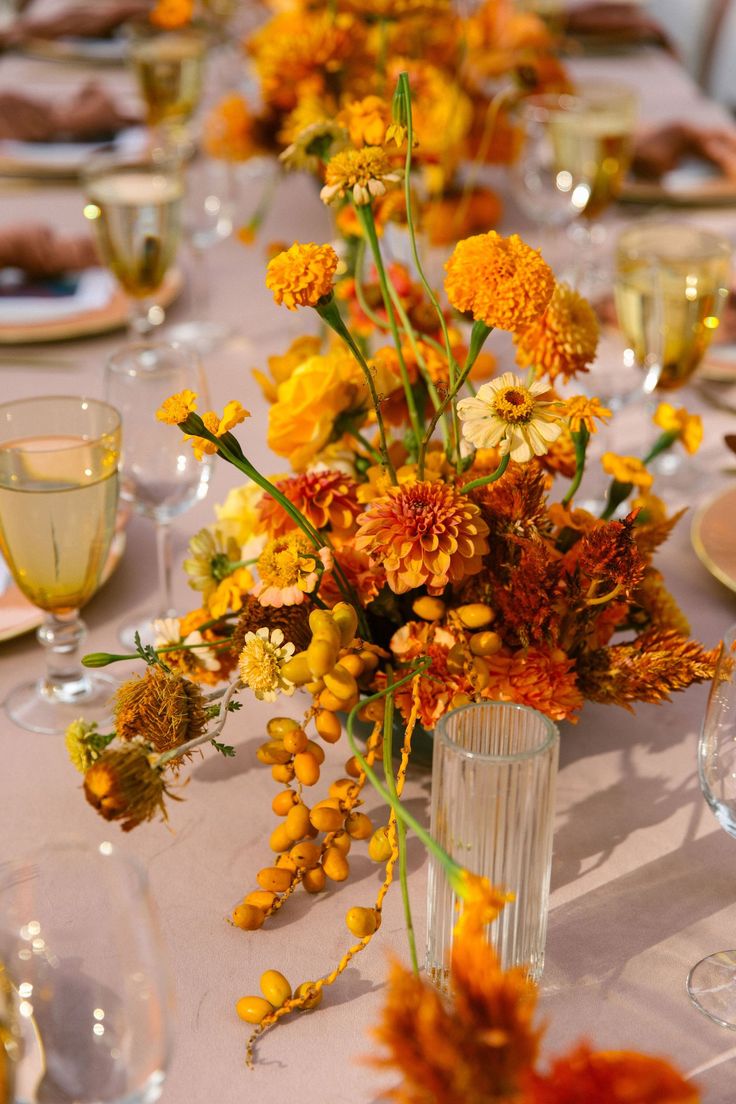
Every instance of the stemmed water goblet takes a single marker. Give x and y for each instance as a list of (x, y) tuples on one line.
[(58, 500), (83, 958), (160, 475), (169, 68), (134, 204), (711, 983)]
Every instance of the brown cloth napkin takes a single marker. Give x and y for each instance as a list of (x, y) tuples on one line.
[(40, 251), (89, 115), (614, 23), (659, 151), (95, 19)]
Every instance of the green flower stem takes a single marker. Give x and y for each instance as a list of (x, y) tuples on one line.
[(329, 312), (580, 440), (228, 447), (665, 441), (478, 335), (399, 826), (104, 659), (206, 737), (365, 215), (401, 813), (408, 328), (403, 92), (488, 478), (375, 456)]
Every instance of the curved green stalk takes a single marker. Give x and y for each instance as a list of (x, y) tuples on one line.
[(488, 478), (580, 440)]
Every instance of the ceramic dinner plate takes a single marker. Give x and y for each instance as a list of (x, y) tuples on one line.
[(713, 536), (19, 616), (105, 309), (62, 160)]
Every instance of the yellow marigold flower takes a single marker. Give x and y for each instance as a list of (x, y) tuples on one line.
[(564, 340), (233, 415), (177, 408), (289, 568), (230, 592), (283, 365), (302, 275), (582, 411), (626, 469), (366, 121), (362, 172), (689, 427), (170, 14), (542, 678), (261, 663), (508, 415), (302, 421), (423, 534), (501, 281), (122, 785), (228, 130)]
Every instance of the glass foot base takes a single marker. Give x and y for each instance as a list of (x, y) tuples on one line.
[(711, 986), (203, 337), (35, 710)]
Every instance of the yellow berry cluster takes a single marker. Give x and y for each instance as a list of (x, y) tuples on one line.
[(476, 641), (276, 993)]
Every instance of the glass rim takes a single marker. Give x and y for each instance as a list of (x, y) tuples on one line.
[(551, 737), (77, 400), (712, 243), (116, 362), (108, 160), (104, 850)]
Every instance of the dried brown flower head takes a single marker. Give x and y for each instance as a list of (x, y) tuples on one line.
[(292, 620), (163, 709), (122, 785)]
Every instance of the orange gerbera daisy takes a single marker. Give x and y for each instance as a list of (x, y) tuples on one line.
[(302, 275), (424, 534), (501, 281), (564, 340), (326, 498)]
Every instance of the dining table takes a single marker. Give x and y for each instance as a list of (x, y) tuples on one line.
[(643, 878)]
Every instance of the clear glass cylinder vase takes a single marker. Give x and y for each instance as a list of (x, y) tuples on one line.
[(493, 796)]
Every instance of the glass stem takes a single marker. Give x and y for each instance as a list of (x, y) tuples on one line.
[(164, 560), (61, 635), (199, 283), (139, 324)]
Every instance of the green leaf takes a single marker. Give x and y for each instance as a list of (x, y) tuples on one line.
[(224, 749)]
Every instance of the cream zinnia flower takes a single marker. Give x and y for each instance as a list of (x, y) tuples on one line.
[(261, 662), (508, 415)]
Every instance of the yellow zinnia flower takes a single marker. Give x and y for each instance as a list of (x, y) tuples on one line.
[(363, 172), (366, 121), (302, 275), (501, 281), (689, 427), (626, 469), (508, 415)]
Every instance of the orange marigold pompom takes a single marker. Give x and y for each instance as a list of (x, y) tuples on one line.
[(302, 275), (424, 534), (563, 342), (500, 281)]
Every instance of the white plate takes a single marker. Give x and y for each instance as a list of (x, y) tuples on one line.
[(62, 160)]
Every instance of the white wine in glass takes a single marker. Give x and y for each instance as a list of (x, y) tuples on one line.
[(169, 68), (58, 498), (135, 207), (671, 285)]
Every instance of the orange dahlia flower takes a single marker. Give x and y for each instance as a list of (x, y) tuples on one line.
[(424, 534), (326, 498), (501, 281)]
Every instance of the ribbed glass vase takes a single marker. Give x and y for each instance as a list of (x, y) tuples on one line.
[(493, 790)]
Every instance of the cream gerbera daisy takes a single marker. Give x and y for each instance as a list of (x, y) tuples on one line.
[(508, 415), (261, 663)]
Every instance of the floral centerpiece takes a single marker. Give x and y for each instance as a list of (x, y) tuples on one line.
[(424, 551)]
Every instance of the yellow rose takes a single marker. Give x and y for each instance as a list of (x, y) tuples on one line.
[(302, 420)]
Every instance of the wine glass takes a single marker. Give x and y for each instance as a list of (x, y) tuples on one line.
[(58, 500), (169, 69), (711, 984), (160, 475), (134, 204), (575, 153), (82, 950)]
